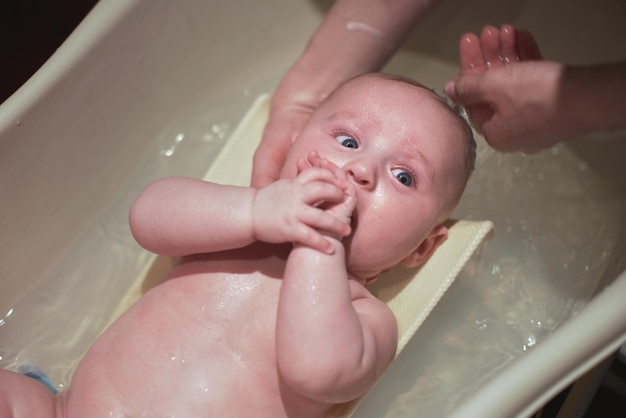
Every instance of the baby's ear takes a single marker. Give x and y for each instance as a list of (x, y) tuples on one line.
[(427, 247)]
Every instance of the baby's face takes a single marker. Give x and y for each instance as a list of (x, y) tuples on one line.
[(402, 149)]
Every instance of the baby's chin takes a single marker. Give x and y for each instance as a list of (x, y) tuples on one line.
[(362, 279), (360, 274)]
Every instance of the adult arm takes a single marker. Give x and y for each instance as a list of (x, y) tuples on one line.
[(355, 37)]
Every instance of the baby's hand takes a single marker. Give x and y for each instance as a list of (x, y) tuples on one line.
[(342, 210), (295, 210)]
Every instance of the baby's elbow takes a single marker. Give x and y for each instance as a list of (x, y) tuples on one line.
[(142, 217), (332, 382), (139, 227)]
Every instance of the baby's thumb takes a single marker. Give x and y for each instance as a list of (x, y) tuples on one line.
[(465, 90)]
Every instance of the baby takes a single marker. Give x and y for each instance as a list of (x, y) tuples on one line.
[(267, 314)]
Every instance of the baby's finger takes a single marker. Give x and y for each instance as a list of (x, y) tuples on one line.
[(313, 158), (323, 221), (334, 168), (318, 191), (316, 174), (313, 239), (302, 164), (350, 198)]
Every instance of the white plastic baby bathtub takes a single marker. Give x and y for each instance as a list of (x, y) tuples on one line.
[(144, 89)]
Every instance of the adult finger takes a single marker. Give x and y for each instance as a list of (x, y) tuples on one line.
[(466, 89), (508, 44), (527, 46), (490, 46), (469, 91), (268, 161), (470, 54)]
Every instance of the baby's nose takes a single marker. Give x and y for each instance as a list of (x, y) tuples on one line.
[(361, 174)]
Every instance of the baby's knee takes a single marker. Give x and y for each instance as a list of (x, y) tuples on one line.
[(22, 396)]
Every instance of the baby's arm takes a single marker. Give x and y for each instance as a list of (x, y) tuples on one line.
[(178, 216), (333, 338)]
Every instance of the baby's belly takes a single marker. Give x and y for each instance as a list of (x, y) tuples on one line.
[(199, 345)]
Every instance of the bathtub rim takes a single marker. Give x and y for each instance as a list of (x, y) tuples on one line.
[(561, 366)]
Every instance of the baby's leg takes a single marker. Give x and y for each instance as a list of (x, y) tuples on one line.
[(21, 396)]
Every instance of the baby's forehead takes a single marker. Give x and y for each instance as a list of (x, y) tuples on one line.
[(382, 93), (382, 80), (374, 86)]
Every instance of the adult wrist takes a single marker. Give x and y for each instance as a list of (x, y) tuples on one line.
[(594, 97)]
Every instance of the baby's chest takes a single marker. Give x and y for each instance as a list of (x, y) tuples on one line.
[(215, 307)]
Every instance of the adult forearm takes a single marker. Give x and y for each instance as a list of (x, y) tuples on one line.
[(593, 98), (356, 36)]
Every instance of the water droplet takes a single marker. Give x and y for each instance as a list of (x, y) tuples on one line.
[(220, 129), (482, 323), (169, 152)]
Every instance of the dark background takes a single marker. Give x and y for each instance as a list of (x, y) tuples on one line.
[(30, 32)]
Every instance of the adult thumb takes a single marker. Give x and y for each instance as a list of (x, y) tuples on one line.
[(466, 90)]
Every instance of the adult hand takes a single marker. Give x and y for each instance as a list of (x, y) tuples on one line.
[(509, 92), (287, 118)]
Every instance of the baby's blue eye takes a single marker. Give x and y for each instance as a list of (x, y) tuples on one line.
[(403, 177), (347, 141)]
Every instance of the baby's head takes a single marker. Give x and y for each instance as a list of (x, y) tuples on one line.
[(409, 155)]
